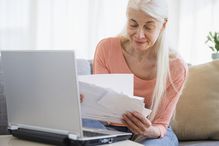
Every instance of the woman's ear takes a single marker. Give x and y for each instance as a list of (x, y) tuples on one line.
[(164, 24)]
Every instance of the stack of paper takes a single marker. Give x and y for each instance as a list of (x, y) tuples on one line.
[(121, 83), (106, 104)]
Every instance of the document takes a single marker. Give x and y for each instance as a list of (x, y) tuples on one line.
[(105, 102), (121, 83)]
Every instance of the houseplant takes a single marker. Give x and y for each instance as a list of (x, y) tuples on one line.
[(213, 43)]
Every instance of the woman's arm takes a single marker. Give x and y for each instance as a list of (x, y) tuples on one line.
[(179, 73), (139, 125), (100, 61)]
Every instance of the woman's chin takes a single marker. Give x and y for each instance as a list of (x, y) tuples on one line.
[(140, 47)]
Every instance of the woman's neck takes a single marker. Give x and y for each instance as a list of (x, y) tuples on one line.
[(138, 55)]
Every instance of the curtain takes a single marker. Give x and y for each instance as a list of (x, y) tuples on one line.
[(59, 24), (196, 19), (15, 30), (80, 24)]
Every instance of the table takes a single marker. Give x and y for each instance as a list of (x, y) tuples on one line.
[(8, 140)]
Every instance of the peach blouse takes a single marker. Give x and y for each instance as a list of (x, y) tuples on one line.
[(109, 59)]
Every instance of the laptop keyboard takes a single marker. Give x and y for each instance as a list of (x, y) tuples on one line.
[(92, 134)]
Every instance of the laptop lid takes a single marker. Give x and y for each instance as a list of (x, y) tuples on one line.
[(40, 89)]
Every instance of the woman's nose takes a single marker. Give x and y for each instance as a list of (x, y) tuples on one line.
[(140, 33)]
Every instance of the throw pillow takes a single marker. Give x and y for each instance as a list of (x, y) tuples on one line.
[(197, 112)]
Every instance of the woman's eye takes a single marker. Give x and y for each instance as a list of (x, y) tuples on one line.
[(148, 28), (133, 25)]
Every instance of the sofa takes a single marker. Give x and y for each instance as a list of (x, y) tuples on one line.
[(196, 120)]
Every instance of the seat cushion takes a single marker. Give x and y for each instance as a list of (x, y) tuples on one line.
[(197, 112)]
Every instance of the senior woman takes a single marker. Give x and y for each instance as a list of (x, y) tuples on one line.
[(159, 72)]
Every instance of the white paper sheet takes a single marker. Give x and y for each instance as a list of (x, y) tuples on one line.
[(121, 83), (106, 104), (119, 104)]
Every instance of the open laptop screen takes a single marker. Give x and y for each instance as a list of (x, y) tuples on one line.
[(40, 86)]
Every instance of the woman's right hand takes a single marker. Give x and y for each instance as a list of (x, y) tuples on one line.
[(81, 98)]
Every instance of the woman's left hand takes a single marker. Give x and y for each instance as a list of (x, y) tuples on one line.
[(140, 125)]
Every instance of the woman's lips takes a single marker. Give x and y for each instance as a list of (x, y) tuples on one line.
[(140, 42)]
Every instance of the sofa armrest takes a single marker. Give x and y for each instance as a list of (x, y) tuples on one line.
[(3, 111)]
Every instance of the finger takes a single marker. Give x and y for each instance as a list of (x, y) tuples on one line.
[(136, 121), (81, 98), (128, 125), (131, 125), (145, 121), (132, 130)]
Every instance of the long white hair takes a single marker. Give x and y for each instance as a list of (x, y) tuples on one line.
[(158, 10)]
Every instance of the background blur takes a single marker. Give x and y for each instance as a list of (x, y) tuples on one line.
[(81, 24)]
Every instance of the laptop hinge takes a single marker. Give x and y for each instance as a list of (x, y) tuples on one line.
[(13, 127), (73, 136)]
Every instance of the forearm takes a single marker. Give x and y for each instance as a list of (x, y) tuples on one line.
[(152, 132)]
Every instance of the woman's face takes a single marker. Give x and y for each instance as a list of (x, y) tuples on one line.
[(143, 30)]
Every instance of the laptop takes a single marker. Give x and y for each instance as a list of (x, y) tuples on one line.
[(43, 99)]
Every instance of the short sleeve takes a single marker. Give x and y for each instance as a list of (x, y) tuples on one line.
[(100, 58)]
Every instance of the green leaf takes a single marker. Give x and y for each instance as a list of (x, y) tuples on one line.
[(206, 41), (217, 47), (210, 33), (211, 39), (215, 37), (212, 48)]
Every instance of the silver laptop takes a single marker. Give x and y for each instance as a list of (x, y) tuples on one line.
[(43, 100)]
